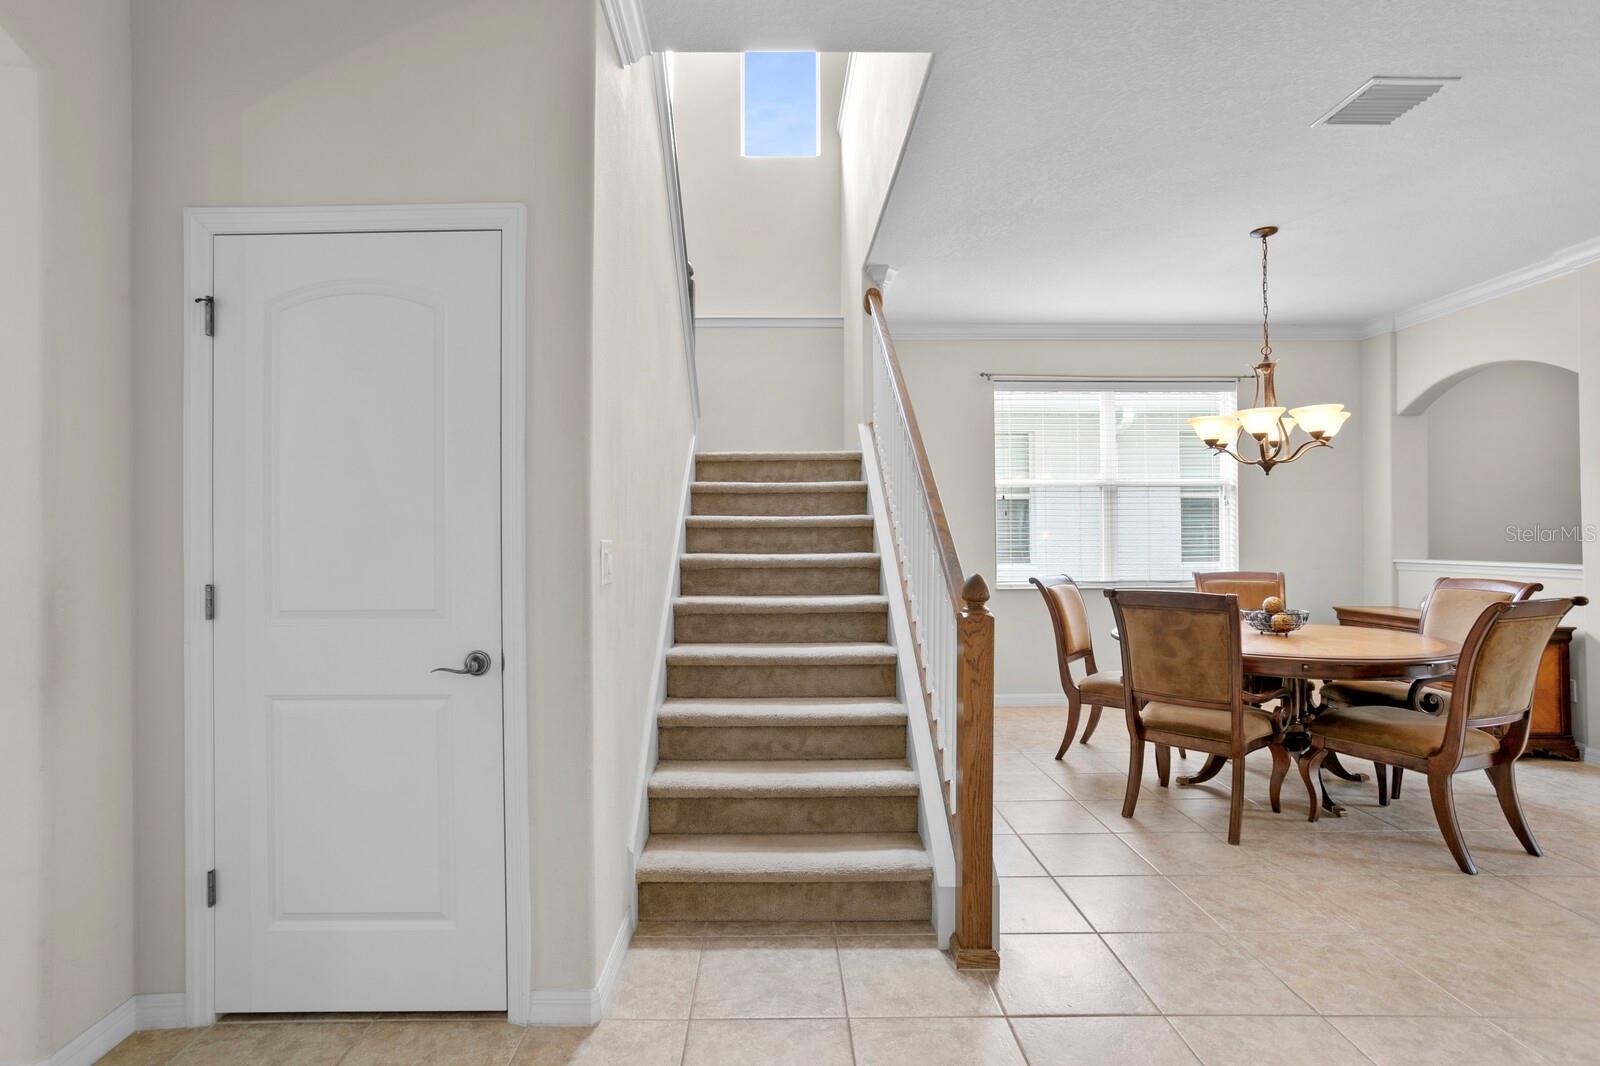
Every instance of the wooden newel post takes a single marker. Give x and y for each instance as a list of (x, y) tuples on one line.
[(974, 944)]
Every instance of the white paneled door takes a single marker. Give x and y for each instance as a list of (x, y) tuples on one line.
[(360, 845)]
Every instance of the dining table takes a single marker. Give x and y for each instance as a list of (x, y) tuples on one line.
[(1316, 652)]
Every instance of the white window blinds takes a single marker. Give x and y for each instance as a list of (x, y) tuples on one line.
[(1105, 481)]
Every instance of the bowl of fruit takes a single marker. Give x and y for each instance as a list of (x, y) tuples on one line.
[(1275, 619)]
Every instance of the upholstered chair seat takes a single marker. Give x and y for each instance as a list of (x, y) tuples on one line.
[(1398, 729), (1103, 688), (1206, 723)]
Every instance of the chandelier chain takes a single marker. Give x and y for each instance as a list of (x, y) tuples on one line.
[(1266, 336)]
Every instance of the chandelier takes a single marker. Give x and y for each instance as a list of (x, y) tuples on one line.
[(1266, 423)]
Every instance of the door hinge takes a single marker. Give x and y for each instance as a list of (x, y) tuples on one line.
[(211, 888), (211, 314), (211, 602)]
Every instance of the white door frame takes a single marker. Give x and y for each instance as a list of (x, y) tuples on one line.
[(199, 796)]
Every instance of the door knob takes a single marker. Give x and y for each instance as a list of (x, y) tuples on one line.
[(476, 665)]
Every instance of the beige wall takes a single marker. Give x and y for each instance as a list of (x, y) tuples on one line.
[(1305, 520), (66, 950), (1480, 481), (875, 118), (240, 102), (769, 389), (638, 464), (763, 234)]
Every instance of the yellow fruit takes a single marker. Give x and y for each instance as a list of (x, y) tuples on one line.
[(1272, 605), (1282, 623)]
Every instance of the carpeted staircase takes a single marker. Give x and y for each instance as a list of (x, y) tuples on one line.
[(782, 791)]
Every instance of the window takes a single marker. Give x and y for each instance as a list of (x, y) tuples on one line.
[(780, 105), (1105, 481)]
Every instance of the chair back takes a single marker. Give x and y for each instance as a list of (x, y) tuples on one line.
[(1180, 647), (1251, 586), (1456, 603), (1070, 620), (1500, 663)]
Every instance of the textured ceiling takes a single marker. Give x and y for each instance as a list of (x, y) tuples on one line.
[(1105, 161)]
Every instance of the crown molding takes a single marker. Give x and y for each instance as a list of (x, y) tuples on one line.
[(1116, 331), (629, 34), (1563, 262), (768, 322)]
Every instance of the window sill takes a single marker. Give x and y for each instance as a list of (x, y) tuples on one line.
[(1009, 586)]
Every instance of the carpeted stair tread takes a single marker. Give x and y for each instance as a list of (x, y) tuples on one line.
[(787, 604), (768, 521), (780, 655), (777, 487), (772, 457), (779, 713), (737, 560), (782, 857), (788, 778)]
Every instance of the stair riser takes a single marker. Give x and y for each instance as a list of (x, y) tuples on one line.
[(778, 503), (777, 470), (756, 682), (787, 814), (785, 901), (864, 627), (783, 540), (785, 742), (782, 581)]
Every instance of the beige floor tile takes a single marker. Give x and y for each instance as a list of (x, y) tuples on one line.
[(1033, 785), (896, 977), (1194, 973), (1422, 1041), (1050, 816), (1567, 1043), (614, 1042), (934, 1042), (1349, 974), (1012, 858), (1068, 973), (1153, 815), (1086, 855), (657, 979), (749, 929), (1578, 894), (1193, 853), (1256, 901), (769, 977), (1512, 975), (883, 928), (1263, 1041), (280, 1044), (1497, 851), (652, 929), (1037, 905), (1136, 905), (1120, 1041), (786, 1042), (153, 1047), (435, 1044), (1411, 902)]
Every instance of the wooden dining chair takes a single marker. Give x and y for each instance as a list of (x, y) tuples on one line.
[(1485, 726), (1251, 586), (1452, 606), (1183, 685), (1075, 643)]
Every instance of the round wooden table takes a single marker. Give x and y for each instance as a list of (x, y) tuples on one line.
[(1333, 653)]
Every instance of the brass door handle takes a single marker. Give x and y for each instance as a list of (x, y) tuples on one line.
[(476, 665)]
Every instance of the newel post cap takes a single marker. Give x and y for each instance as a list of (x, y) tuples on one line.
[(975, 592)]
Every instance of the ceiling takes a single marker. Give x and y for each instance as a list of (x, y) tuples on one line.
[(1104, 162)]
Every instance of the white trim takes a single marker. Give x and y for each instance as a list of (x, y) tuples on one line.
[(1029, 699), (94, 1042), (1489, 568), (844, 93), (667, 134), (648, 753), (770, 322), (933, 824), (629, 32), (1567, 260), (201, 225), (160, 1010), (1117, 331), (585, 1007)]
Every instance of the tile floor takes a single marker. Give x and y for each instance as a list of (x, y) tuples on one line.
[(1147, 941)]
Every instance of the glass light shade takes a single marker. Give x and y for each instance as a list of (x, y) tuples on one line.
[(1321, 418), (1260, 421), (1287, 421), (1215, 428)]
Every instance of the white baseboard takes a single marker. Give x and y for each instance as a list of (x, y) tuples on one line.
[(562, 1006), (160, 1010), (1029, 699)]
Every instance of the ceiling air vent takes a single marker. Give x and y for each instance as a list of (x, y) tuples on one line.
[(1382, 100)]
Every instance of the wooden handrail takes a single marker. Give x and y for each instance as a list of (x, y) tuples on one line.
[(950, 562)]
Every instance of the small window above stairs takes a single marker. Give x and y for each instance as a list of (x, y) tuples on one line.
[(783, 792)]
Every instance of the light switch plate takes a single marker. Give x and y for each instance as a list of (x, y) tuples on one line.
[(608, 562)]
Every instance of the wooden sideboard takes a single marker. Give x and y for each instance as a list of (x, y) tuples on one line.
[(1552, 692)]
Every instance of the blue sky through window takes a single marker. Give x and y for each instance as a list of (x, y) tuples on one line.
[(780, 104)]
